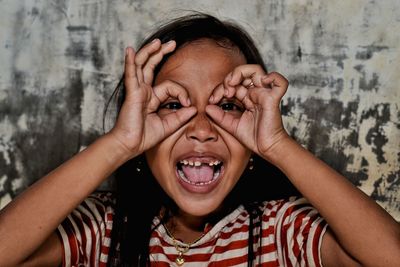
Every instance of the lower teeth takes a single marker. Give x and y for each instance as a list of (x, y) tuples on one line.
[(182, 175)]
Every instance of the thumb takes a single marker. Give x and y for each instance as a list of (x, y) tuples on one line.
[(225, 120), (175, 120)]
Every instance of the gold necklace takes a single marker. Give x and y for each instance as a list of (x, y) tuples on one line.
[(181, 249)]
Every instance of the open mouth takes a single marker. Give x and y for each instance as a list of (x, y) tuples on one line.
[(199, 172)]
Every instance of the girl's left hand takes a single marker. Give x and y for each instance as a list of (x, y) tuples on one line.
[(259, 125)]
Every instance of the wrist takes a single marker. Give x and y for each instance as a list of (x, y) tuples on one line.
[(279, 150), (115, 149)]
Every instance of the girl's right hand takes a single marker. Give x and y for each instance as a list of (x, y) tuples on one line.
[(138, 126)]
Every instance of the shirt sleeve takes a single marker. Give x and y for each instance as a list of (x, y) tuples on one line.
[(299, 231), (86, 233)]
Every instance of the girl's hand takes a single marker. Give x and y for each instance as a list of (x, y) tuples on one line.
[(138, 126), (256, 119)]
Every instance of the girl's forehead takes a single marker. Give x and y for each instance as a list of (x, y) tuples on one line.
[(200, 67), (203, 51), (208, 47)]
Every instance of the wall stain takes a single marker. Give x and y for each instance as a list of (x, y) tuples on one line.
[(9, 171), (56, 115), (77, 50), (376, 135), (367, 85), (386, 190), (319, 81), (288, 106), (333, 111), (97, 54), (368, 51), (80, 29), (80, 49)]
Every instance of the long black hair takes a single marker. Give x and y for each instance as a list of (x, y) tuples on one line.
[(132, 226)]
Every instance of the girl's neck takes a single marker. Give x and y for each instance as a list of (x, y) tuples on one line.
[(189, 228), (185, 227)]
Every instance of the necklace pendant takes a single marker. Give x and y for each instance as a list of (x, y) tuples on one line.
[(180, 260)]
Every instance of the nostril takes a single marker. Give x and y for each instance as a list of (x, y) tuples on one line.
[(203, 136), (202, 130)]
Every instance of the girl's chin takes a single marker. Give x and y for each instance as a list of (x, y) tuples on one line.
[(196, 211), (198, 207)]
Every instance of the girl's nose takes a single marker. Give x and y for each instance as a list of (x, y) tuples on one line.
[(201, 129)]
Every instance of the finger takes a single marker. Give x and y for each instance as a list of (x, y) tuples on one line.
[(217, 94), (242, 94), (168, 89), (276, 82), (174, 120), (154, 59), (229, 91), (130, 78), (248, 83), (142, 56), (224, 119), (276, 78), (243, 72), (144, 53), (264, 98)]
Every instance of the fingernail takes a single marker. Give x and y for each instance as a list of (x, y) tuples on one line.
[(211, 99), (127, 51), (155, 40), (188, 102)]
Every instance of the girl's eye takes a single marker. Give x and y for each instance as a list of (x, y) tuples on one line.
[(172, 105), (231, 106)]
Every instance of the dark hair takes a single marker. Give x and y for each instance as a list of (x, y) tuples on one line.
[(133, 219)]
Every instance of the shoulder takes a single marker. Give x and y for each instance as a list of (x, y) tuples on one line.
[(286, 207), (292, 213), (296, 229), (87, 230), (101, 205), (97, 210), (275, 212), (105, 198)]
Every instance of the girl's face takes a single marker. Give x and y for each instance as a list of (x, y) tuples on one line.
[(199, 164)]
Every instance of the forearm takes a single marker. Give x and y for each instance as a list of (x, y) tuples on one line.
[(365, 230), (28, 220)]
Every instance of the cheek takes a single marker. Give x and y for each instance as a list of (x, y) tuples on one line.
[(241, 160), (156, 160), (159, 157), (239, 154)]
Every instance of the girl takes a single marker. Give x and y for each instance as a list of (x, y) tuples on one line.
[(199, 111)]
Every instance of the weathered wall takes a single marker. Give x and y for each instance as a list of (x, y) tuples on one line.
[(61, 59)]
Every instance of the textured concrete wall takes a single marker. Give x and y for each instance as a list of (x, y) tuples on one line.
[(61, 59)]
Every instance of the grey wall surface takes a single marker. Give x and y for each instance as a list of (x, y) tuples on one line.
[(60, 61)]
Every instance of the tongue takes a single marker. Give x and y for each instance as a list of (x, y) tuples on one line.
[(202, 173)]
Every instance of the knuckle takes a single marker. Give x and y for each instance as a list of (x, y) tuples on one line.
[(138, 60), (258, 68), (169, 83), (273, 73)]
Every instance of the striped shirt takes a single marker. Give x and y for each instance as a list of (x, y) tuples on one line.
[(288, 233)]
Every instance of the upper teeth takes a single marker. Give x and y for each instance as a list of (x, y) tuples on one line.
[(198, 163)]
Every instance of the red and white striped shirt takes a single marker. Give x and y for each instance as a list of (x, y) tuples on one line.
[(291, 233)]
